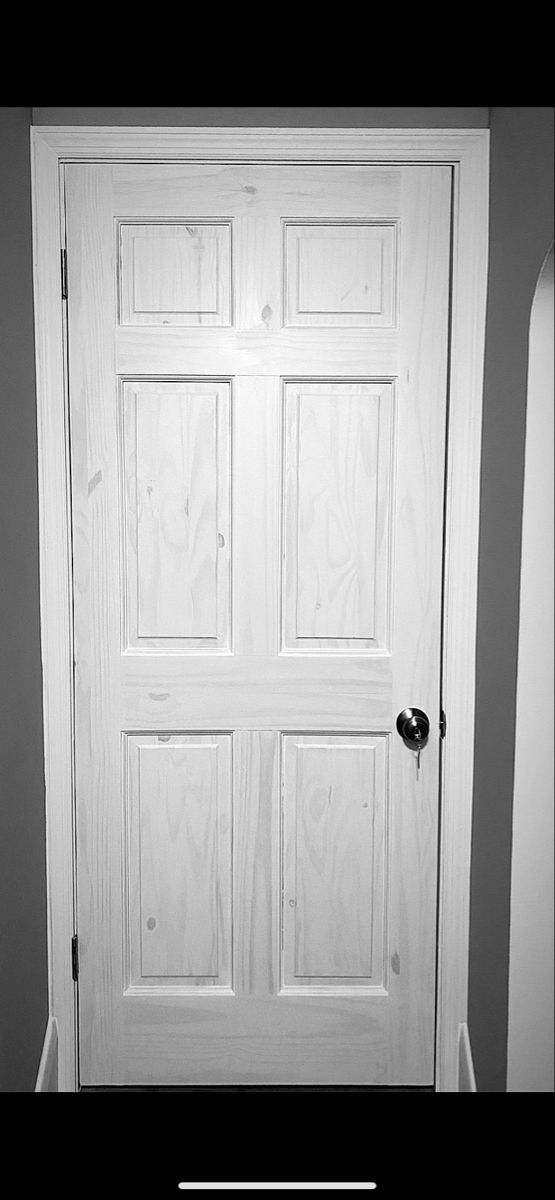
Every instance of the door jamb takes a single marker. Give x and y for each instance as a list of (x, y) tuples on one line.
[(467, 150)]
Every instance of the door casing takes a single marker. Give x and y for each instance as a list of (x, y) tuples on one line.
[(468, 153)]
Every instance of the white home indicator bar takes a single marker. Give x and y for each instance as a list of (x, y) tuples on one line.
[(282, 1186)]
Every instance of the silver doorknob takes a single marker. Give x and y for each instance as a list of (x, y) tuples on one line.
[(414, 727)]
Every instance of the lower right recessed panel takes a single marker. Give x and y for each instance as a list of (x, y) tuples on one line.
[(334, 862)]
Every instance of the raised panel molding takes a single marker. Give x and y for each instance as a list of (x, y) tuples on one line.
[(178, 804), (176, 515), (334, 863), (340, 274), (175, 273), (337, 515)]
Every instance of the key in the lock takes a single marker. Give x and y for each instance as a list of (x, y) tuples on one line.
[(418, 740)]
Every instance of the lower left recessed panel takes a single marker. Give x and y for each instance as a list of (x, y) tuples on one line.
[(177, 791)]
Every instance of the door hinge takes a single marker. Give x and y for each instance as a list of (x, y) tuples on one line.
[(442, 724), (63, 257), (75, 958)]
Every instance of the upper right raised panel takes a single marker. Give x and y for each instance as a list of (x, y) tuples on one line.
[(341, 274)]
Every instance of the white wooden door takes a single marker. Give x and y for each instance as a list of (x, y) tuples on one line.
[(257, 378)]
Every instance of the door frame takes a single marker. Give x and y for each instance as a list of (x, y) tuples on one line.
[(467, 150)]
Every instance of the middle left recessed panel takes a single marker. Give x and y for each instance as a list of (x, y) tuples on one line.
[(176, 515)]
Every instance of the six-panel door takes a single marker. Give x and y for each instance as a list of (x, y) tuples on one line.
[(257, 403)]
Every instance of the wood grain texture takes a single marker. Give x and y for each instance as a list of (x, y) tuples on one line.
[(159, 191), (340, 275), (417, 524), (256, 520), (256, 911), (256, 692), (468, 151), (94, 455), (380, 1029), (177, 534), (178, 802), (337, 515), (176, 494), (309, 1039), (334, 844), (260, 350), (175, 274)]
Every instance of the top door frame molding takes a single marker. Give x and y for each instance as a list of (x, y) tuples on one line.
[(467, 150)]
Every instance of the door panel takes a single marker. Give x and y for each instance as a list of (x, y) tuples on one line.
[(176, 488), (178, 873), (257, 364), (334, 822), (175, 274), (337, 487), (340, 275)]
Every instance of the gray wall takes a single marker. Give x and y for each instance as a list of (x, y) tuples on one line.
[(521, 231), (23, 992), (520, 235), (318, 117)]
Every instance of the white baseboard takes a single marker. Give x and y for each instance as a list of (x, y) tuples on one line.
[(467, 1078), (47, 1077)]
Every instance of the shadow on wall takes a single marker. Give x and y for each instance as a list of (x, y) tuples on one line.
[(530, 1042)]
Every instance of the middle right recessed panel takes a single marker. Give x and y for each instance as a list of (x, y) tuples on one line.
[(336, 526)]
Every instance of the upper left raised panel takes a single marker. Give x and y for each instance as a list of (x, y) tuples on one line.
[(175, 273)]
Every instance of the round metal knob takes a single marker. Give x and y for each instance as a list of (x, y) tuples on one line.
[(414, 727)]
